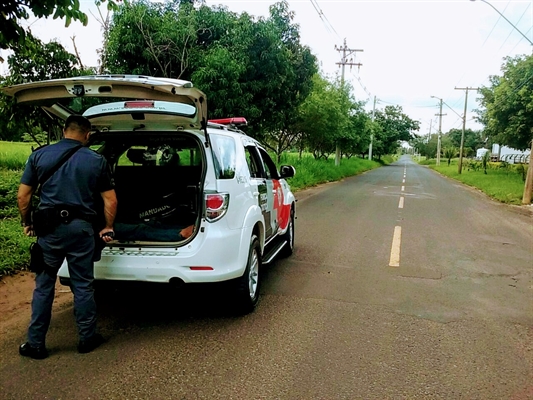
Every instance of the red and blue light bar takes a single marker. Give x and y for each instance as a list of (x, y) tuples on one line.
[(235, 121)]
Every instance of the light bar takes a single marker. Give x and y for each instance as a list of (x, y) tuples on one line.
[(236, 121)]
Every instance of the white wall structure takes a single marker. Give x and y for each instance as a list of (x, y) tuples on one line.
[(480, 153), (510, 155)]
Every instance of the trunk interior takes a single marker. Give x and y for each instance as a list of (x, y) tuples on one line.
[(157, 187)]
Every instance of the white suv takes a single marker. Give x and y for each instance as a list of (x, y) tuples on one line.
[(199, 201)]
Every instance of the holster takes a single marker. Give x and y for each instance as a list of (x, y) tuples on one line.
[(37, 263), (45, 221)]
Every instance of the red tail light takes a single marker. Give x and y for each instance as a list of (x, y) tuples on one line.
[(139, 104), (216, 205)]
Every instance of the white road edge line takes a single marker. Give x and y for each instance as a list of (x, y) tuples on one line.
[(400, 205), (395, 249)]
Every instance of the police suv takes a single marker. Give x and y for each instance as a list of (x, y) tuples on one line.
[(198, 201)]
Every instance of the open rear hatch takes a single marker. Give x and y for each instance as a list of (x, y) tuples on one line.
[(58, 96)]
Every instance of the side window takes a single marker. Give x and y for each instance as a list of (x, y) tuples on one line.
[(270, 168), (254, 162), (224, 156)]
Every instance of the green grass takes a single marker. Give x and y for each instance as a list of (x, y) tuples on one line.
[(311, 172), (503, 184), (13, 155), (14, 254)]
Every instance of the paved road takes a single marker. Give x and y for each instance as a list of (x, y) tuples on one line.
[(403, 285)]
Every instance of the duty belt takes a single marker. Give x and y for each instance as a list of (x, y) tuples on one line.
[(67, 214)]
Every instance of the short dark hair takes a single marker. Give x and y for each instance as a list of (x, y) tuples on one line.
[(78, 123)]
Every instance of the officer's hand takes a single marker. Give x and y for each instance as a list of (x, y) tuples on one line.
[(107, 234), (28, 230)]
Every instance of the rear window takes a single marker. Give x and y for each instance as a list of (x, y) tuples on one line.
[(223, 156)]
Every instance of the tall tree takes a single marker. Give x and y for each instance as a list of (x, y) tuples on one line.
[(13, 35), (393, 126), (472, 139), (322, 120), (35, 61), (254, 68), (507, 104)]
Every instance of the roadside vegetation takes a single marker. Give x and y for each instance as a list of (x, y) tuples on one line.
[(258, 69), (501, 181), (14, 254)]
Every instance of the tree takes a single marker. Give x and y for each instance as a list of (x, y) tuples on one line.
[(13, 35), (472, 139), (322, 120), (247, 67), (35, 61), (506, 104), (450, 152), (393, 126)]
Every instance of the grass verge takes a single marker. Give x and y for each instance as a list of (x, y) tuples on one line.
[(503, 184)]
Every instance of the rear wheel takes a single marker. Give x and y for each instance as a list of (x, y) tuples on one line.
[(288, 237), (248, 285)]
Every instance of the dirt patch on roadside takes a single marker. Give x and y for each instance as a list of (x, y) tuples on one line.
[(15, 300)]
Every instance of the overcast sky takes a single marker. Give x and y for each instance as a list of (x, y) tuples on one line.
[(412, 50)]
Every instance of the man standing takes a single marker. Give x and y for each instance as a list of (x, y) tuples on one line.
[(67, 199)]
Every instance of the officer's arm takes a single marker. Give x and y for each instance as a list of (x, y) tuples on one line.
[(110, 210), (24, 204)]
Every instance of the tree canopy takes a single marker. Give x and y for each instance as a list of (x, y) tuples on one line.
[(391, 127), (13, 35), (507, 104), (256, 68), (34, 61)]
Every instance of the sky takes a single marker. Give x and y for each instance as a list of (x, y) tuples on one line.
[(411, 50)]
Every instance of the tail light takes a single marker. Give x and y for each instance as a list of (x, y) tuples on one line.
[(216, 205)]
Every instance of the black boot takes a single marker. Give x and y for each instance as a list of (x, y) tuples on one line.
[(37, 353), (86, 346)]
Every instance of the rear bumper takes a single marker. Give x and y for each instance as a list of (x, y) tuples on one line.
[(208, 258)]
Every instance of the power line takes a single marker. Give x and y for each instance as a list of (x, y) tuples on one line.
[(323, 18), (510, 33), (495, 24)]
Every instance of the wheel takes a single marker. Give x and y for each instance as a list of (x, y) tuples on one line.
[(288, 237), (247, 292)]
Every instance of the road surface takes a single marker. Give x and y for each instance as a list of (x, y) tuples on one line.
[(403, 285)]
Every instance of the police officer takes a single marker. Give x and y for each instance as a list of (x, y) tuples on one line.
[(71, 190)]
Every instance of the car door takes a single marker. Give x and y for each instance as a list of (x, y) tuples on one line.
[(274, 190), (258, 176)]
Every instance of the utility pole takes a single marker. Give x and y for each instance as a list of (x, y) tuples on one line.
[(528, 186), (372, 132), (346, 52), (460, 166), (440, 114)]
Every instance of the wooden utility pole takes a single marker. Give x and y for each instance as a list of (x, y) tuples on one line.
[(528, 186), (346, 52), (460, 165), (440, 115), (372, 133)]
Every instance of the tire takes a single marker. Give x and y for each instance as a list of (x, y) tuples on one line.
[(248, 285), (288, 237)]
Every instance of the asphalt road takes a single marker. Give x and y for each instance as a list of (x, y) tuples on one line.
[(403, 285)]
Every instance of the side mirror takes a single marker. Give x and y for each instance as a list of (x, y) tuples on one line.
[(287, 171)]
